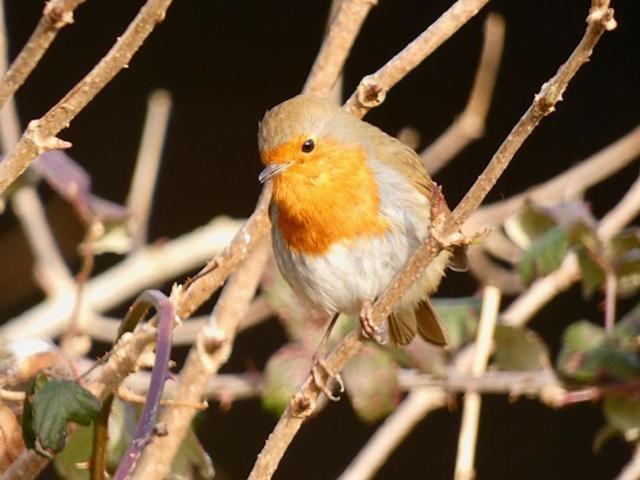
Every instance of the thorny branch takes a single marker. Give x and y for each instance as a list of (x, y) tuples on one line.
[(56, 15), (373, 88), (40, 135), (599, 20)]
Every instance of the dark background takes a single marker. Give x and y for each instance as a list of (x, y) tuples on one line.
[(225, 62)]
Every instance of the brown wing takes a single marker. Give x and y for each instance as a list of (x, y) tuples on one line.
[(405, 161)]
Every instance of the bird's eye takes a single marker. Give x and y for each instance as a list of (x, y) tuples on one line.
[(308, 146)]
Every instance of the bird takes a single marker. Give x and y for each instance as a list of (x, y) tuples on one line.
[(349, 206)]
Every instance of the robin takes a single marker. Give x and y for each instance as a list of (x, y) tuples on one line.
[(350, 205)]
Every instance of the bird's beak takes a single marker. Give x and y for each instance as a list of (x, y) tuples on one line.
[(272, 170)]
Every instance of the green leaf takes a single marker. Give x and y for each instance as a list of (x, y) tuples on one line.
[(627, 270), (623, 413), (426, 357), (519, 349), (34, 387), (283, 374), (54, 405), (623, 243), (460, 318), (589, 356), (528, 224), (372, 384), (592, 274), (545, 254), (76, 452)]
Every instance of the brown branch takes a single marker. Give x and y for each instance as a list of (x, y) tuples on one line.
[(471, 405), (56, 15), (600, 18), (336, 46), (373, 88), (40, 134), (470, 125), (393, 431), (147, 267), (212, 350), (145, 175)]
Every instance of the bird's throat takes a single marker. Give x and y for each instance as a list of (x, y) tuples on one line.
[(334, 199)]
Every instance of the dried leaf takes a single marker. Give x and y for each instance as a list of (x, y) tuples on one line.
[(11, 443), (372, 384)]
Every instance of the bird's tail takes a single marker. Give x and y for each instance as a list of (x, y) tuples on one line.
[(404, 324)]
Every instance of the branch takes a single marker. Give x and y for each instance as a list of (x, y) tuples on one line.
[(145, 174), (470, 124), (471, 407), (56, 15), (40, 134), (146, 268), (631, 470), (373, 88), (337, 45), (212, 350), (600, 18), (544, 289), (393, 431), (51, 272)]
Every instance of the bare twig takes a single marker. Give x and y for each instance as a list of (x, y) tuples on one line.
[(611, 292), (568, 184), (145, 174), (471, 407), (40, 135), (600, 18), (373, 88), (56, 14), (393, 431), (147, 268), (336, 46), (50, 269), (544, 289), (470, 124), (212, 349)]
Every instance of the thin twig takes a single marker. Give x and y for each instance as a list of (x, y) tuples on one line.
[(393, 431), (56, 14), (470, 124), (471, 407), (611, 292), (523, 308), (50, 269), (212, 350), (40, 135), (373, 88), (145, 174), (337, 45), (600, 18)]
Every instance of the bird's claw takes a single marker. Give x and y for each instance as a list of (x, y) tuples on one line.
[(318, 378), (369, 329)]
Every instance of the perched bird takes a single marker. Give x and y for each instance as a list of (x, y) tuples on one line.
[(350, 204)]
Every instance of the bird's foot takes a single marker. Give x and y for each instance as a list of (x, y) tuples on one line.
[(369, 329), (322, 374)]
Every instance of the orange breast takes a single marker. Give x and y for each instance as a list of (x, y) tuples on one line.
[(326, 197)]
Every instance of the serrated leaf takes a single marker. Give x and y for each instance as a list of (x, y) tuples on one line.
[(57, 403), (460, 317), (34, 387), (544, 255), (623, 414), (519, 349), (372, 384), (589, 356), (592, 274), (283, 374)]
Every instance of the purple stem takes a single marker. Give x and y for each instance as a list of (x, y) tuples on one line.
[(146, 425)]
